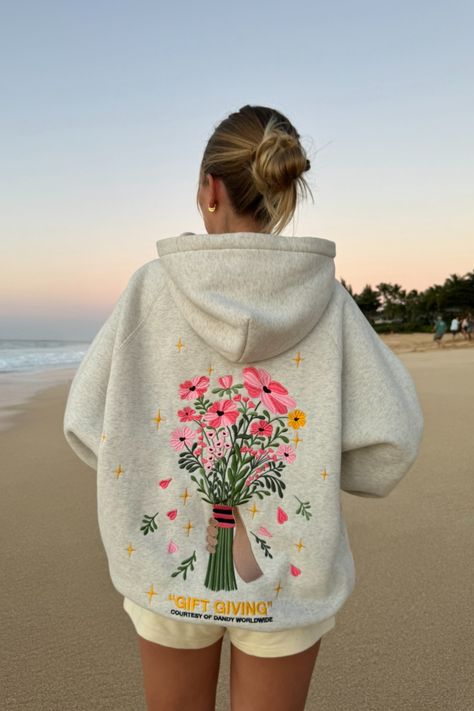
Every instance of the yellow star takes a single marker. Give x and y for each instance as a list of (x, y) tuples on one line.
[(103, 437), (158, 419), (188, 527), (253, 510), (118, 471), (179, 345), (298, 359), (130, 550), (296, 439), (150, 593), (324, 474), (209, 370), (299, 546), (185, 496), (278, 588)]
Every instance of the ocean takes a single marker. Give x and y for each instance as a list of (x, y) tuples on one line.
[(28, 356)]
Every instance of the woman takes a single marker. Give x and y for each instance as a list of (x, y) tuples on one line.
[(233, 392)]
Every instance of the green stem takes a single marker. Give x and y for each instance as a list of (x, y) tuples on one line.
[(220, 574)]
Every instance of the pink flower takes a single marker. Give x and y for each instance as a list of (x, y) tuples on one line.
[(225, 381), (187, 414), (273, 395), (261, 427), (181, 437), (250, 404), (286, 452), (221, 414), (245, 399), (194, 388), (237, 397)]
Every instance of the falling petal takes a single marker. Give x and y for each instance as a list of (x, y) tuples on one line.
[(281, 515), (172, 547), (172, 514), (265, 532), (295, 571), (164, 483)]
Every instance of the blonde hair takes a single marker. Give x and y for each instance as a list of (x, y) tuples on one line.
[(257, 154)]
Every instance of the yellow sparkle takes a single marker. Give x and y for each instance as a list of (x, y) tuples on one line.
[(296, 439), (179, 344), (210, 370), (299, 545), (188, 527), (158, 419), (298, 359), (253, 510), (150, 593), (103, 437), (130, 550), (278, 588), (118, 471), (324, 474), (185, 496)]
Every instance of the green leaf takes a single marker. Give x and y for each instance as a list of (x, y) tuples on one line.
[(149, 524), (185, 566)]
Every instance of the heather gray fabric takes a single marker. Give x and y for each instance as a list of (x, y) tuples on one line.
[(247, 340), (259, 296)]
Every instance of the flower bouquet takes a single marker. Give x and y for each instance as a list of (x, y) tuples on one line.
[(236, 449)]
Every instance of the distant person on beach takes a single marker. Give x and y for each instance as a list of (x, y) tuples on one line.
[(439, 329), (466, 327), (470, 326), (454, 326), (220, 331)]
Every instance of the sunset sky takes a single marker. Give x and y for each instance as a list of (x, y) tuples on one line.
[(107, 107)]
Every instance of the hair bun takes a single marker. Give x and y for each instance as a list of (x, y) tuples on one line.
[(279, 160)]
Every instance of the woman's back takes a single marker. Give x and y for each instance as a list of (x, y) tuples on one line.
[(234, 391)]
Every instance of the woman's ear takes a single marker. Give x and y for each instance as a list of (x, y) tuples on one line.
[(211, 189)]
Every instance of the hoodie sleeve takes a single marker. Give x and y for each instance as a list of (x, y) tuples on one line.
[(382, 421), (84, 413)]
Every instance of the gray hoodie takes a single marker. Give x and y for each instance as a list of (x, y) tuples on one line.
[(237, 379)]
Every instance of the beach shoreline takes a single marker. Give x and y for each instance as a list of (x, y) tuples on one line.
[(17, 389)]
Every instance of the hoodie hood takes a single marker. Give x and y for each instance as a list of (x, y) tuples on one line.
[(249, 295)]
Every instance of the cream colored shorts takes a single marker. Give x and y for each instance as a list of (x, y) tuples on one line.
[(188, 635)]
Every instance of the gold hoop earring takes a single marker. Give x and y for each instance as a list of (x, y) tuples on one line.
[(212, 209)]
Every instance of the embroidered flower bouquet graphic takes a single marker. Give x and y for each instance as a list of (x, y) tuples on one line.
[(236, 449)]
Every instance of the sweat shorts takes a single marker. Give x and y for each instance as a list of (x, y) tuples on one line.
[(189, 635)]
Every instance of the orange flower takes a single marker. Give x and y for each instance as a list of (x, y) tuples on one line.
[(296, 419)]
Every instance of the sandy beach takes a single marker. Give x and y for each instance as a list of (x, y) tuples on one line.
[(402, 642)]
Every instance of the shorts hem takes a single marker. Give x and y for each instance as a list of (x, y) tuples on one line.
[(285, 650), (150, 633)]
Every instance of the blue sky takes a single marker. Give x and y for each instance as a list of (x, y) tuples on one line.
[(107, 107)]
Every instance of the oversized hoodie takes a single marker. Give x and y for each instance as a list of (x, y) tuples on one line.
[(237, 379)]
